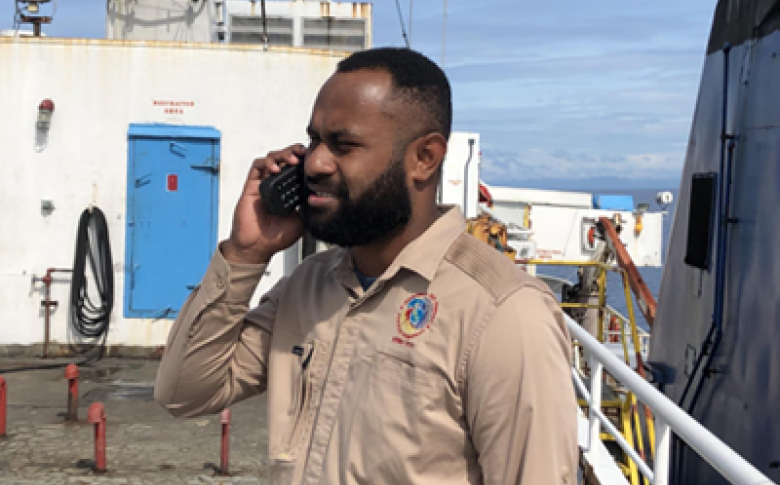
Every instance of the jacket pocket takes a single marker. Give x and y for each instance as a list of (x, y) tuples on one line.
[(302, 404), (392, 369)]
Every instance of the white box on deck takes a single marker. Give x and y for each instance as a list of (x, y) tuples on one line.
[(560, 222), (511, 196), (561, 234)]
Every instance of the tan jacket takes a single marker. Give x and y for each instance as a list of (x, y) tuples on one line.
[(453, 368)]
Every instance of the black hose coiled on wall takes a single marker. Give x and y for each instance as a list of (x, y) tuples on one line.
[(90, 318)]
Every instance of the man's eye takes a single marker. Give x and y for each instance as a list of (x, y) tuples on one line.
[(339, 148)]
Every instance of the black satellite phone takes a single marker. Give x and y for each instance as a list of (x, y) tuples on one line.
[(283, 192)]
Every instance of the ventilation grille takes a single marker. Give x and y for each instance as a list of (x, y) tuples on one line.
[(333, 33), (248, 29), (342, 34)]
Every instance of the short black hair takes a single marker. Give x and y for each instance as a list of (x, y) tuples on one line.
[(417, 80)]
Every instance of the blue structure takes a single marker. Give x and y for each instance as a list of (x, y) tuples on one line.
[(172, 201), (613, 202)]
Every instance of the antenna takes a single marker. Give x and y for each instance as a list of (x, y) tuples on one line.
[(443, 33), (265, 25), (410, 21), (401, 20)]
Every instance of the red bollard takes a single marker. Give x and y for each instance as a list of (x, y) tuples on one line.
[(96, 414), (225, 451), (3, 406), (72, 375)]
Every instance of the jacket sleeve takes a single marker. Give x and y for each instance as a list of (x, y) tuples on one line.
[(520, 401), (217, 350)]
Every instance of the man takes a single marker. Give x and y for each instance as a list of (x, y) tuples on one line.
[(413, 354)]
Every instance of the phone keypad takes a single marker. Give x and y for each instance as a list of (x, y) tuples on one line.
[(282, 192)]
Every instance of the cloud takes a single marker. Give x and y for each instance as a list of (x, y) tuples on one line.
[(513, 168), (571, 88)]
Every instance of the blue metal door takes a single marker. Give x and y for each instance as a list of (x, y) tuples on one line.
[(171, 215)]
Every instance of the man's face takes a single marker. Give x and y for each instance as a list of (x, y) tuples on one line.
[(355, 167)]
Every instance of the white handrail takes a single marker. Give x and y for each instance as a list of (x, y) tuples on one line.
[(619, 439), (668, 415)]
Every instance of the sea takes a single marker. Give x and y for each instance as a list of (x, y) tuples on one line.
[(652, 276)]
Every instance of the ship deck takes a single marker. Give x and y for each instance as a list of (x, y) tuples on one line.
[(145, 445)]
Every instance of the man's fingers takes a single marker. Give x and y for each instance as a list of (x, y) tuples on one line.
[(291, 155), (298, 152), (257, 172), (275, 161), (260, 168)]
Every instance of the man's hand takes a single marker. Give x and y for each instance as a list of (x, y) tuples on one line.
[(257, 235)]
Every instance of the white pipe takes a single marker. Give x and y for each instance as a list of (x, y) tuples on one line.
[(594, 400), (663, 442), (726, 461)]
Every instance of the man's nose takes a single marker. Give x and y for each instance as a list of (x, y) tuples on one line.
[(319, 162)]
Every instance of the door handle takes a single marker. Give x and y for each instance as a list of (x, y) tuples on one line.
[(214, 169), (178, 149), (143, 180)]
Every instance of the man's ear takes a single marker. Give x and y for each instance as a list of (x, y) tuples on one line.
[(427, 156)]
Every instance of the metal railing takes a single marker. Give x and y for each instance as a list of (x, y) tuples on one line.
[(617, 336), (606, 334), (669, 418)]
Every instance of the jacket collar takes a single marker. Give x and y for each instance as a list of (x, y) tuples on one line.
[(423, 255)]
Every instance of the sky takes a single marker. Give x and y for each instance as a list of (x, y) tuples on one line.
[(564, 93)]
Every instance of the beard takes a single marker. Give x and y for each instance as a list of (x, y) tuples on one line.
[(380, 210)]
